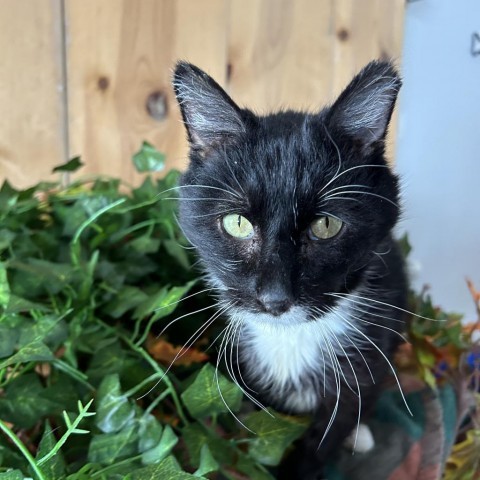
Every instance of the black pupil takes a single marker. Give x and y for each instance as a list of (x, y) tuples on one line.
[(327, 222), (239, 221)]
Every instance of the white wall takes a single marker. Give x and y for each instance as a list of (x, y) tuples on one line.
[(438, 149)]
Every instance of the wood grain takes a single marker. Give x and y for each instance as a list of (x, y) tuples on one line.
[(280, 53), (32, 126), (120, 55)]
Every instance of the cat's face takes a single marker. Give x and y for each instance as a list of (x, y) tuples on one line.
[(287, 208)]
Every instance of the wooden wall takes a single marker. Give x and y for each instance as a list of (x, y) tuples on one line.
[(91, 77)]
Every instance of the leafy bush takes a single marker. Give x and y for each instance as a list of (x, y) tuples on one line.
[(90, 274)]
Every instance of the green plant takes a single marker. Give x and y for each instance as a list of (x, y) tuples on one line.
[(90, 274)]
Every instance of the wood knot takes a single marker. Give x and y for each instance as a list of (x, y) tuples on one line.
[(103, 83), (157, 106), (343, 34)]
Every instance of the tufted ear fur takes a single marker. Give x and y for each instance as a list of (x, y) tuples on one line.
[(210, 115), (363, 110)]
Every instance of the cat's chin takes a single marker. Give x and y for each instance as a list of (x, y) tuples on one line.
[(293, 317)]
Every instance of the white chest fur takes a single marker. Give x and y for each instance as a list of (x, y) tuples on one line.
[(293, 356)]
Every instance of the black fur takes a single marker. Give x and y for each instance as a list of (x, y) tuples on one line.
[(274, 170)]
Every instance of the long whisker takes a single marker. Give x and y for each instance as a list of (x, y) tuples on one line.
[(384, 356), (338, 387), (344, 295), (231, 372), (333, 195), (223, 345)]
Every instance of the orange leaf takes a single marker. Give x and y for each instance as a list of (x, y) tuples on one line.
[(165, 352)]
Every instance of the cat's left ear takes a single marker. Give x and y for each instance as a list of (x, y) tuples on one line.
[(210, 115), (363, 110)]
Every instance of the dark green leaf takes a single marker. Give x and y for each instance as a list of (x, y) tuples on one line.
[(148, 159), (71, 166), (24, 403), (273, 435), (162, 303), (55, 467), (204, 397), (33, 352)]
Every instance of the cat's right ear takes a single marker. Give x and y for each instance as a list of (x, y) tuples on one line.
[(210, 115)]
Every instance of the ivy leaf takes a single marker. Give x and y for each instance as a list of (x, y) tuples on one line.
[(273, 435), (24, 402), (36, 351), (149, 432), (195, 437), (54, 467), (109, 447), (203, 397), (162, 303), (207, 462), (71, 166), (149, 159), (166, 469), (163, 449), (114, 410)]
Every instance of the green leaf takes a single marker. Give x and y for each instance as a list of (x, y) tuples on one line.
[(207, 462), (163, 449), (4, 286), (109, 447), (162, 303), (203, 397), (195, 437), (273, 435), (24, 402), (114, 410), (149, 159), (149, 432), (127, 298), (12, 475), (71, 166), (166, 469), (54, 467), (33, 352)]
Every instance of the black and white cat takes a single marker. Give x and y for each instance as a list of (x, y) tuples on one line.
[(292, 215)]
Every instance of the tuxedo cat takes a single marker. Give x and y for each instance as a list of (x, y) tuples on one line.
[(291, 214)]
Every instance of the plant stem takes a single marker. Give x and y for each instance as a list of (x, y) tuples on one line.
[(164, 378), (11, 435)]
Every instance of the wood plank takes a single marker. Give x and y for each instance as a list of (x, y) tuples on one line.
[(32, 128), (120, 55), (280, 53)]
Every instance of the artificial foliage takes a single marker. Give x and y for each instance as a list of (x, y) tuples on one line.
[(106, 369)]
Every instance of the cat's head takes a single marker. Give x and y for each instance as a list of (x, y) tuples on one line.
[(286, 208)]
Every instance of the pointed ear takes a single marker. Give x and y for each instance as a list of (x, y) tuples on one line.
[(210, 115), (364, 108)]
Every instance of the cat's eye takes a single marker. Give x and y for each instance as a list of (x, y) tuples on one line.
[(325, 227), (237, 226)]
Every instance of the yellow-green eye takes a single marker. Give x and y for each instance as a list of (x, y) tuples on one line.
[(325, 227), (237, 226)]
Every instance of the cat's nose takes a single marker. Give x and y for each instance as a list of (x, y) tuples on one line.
[(274, 301)]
